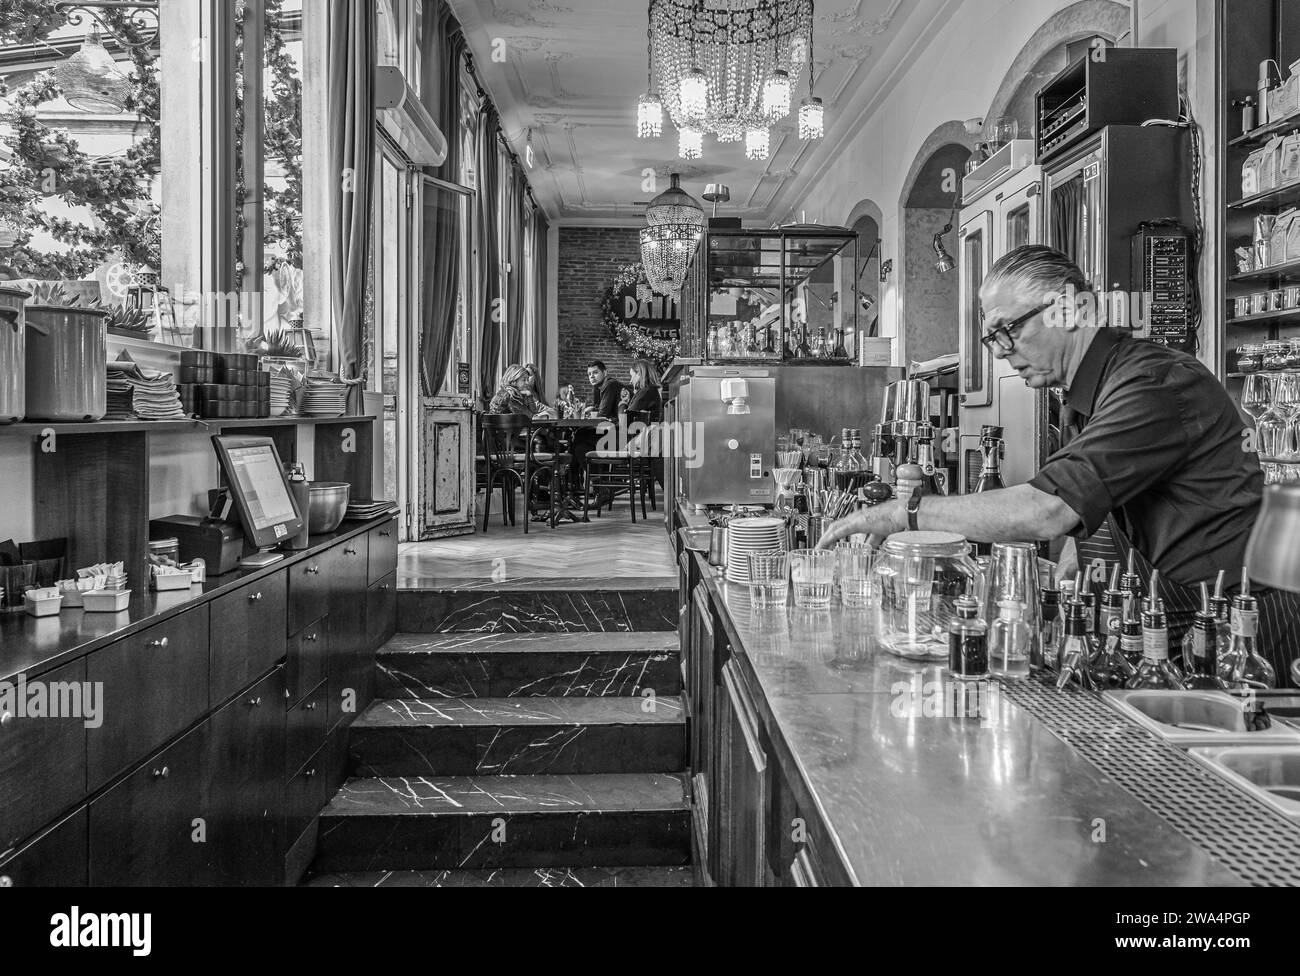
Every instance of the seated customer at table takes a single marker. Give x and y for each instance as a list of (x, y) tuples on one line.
[(535, 384), (644, 396), (605, 391), (514, 396)]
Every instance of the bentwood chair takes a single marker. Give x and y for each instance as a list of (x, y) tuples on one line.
[(625, 469), (506, 464)]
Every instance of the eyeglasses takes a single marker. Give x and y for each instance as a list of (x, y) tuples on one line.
[(1002, 334)]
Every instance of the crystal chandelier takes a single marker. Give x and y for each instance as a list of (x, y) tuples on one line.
[(811, 122), (757, 143), (675, 223), (650, 107), (726, 67), (690, 143), (91, 80)]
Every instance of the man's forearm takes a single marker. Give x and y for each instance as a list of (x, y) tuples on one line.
[(1018, 514)]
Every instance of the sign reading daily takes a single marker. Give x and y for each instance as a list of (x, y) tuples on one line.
[(640, 321), (656, 314)]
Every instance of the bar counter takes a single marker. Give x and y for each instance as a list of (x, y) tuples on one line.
[(910, 797)]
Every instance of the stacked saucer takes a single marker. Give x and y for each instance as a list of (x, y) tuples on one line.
[(748, 535)]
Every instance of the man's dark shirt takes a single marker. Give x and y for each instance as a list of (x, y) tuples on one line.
[(605, 397), (1161, 446)]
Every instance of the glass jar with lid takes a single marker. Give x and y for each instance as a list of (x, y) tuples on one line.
[(1250, 357), (920, 576), (1275, 354)]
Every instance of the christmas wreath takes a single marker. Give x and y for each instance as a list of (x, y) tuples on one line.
[(630, 336)]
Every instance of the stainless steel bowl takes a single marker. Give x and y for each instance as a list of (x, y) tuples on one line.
[(326, 505)]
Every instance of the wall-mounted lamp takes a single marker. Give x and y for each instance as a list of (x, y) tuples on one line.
[(944, 262), (886, 269), (735, 394)]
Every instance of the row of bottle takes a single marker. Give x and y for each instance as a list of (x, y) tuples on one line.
[(1114, 645), (739, 340), (1124, 643)]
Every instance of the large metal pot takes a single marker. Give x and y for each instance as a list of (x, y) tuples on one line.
[(67, 362), (13, 355), (327, 503)]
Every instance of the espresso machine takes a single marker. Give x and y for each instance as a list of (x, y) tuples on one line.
[(904, 433)]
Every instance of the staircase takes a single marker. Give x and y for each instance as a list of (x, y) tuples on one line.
[(513, 742)]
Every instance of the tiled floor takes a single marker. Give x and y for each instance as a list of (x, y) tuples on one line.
[(609, 552)]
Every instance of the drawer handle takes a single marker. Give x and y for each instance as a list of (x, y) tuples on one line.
[(385, 533), (6, 881), (161, 773), (313, 570), (385, 587), (349, 551), (310, 773), (310, 707), (254, 598), (6, 719), (160, 642), (254, 702), (311, 637)]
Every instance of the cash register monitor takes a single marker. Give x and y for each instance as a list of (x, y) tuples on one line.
[(260, 489)]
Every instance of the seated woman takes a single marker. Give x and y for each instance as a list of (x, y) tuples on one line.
[(535, 385), (514, 395), (646, 396)]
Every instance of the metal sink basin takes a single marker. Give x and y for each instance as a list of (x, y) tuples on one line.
[(1271, 774), (1197, 718)]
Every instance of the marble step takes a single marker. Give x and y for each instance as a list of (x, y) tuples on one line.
[(633, 877), (536, 606), (479, 665), (478, 822), (519, 736)]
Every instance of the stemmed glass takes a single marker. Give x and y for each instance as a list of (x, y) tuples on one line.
[(1256, 395), (1286, 402)]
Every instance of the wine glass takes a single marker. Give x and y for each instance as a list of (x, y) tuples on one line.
[(1286, 401), (1256, 395)]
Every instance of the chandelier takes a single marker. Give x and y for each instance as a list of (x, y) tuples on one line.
[(675, 223), (727, 68)]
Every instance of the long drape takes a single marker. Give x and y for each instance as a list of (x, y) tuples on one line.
[(517, 277), (491, 302), (441, 230), (351, 148), (538, 228)]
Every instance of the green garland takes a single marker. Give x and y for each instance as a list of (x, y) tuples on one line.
[(634, 338)]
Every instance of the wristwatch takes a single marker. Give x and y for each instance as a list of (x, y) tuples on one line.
[(914, 509)]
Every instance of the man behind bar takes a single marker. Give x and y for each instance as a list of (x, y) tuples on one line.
[(1156, 453)]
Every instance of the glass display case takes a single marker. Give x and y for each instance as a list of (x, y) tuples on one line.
[(777, 296)]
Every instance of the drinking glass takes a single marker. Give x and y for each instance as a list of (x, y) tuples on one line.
[(856, 566), (1286, 400), (1256, 394), (813, 573), (769, 579)]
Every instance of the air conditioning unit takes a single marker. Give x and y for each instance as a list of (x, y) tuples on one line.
[(406, 121)]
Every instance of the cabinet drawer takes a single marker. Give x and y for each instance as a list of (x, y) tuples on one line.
[(383, 551), (304, 794), (247, 634), (305, 665), (43, 760), (143, 830), (56, 859), (309, 590), (381, 610), (155, 684), (305, 730)]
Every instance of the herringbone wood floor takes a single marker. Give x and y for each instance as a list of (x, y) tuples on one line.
[(609, 550)]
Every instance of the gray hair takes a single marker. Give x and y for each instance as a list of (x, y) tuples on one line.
[(1038, 270)]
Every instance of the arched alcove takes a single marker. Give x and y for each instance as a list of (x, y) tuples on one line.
[(865, 221), (928, 297)]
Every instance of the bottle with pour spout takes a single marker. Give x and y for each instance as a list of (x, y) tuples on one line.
[(1156, 670), (1074, 646), (1217, 606), (1243, 666), (1112, 662), (1201, 657)]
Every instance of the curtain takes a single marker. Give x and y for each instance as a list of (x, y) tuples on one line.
[(352, 147), (440, 225), (1067, 218), (517, 279), (488, 236), (538, 228)]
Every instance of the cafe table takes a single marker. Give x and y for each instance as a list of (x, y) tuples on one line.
[(565, 429)]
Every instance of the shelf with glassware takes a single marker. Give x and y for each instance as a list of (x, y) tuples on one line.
[(772, 296), (1259, 173)]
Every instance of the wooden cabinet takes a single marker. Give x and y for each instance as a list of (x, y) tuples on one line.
[(305, 729), (700, 693), (309, 591), (741, 794), (306, 660), (304, 794), (42, 758), (348, 641), (381, 611), (247, 634), (155, 684), (152, 828), (246, 746), (383, 551), (55, 859)]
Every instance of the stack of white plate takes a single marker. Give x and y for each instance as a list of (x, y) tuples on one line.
[(281, 393), (751, 535), (323, 397)]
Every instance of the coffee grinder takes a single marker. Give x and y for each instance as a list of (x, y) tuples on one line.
[(992, 449)]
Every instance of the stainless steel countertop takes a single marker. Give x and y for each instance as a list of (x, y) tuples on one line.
[(917, 799)]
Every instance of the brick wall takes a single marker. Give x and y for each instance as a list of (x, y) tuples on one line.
[(589, 257)]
